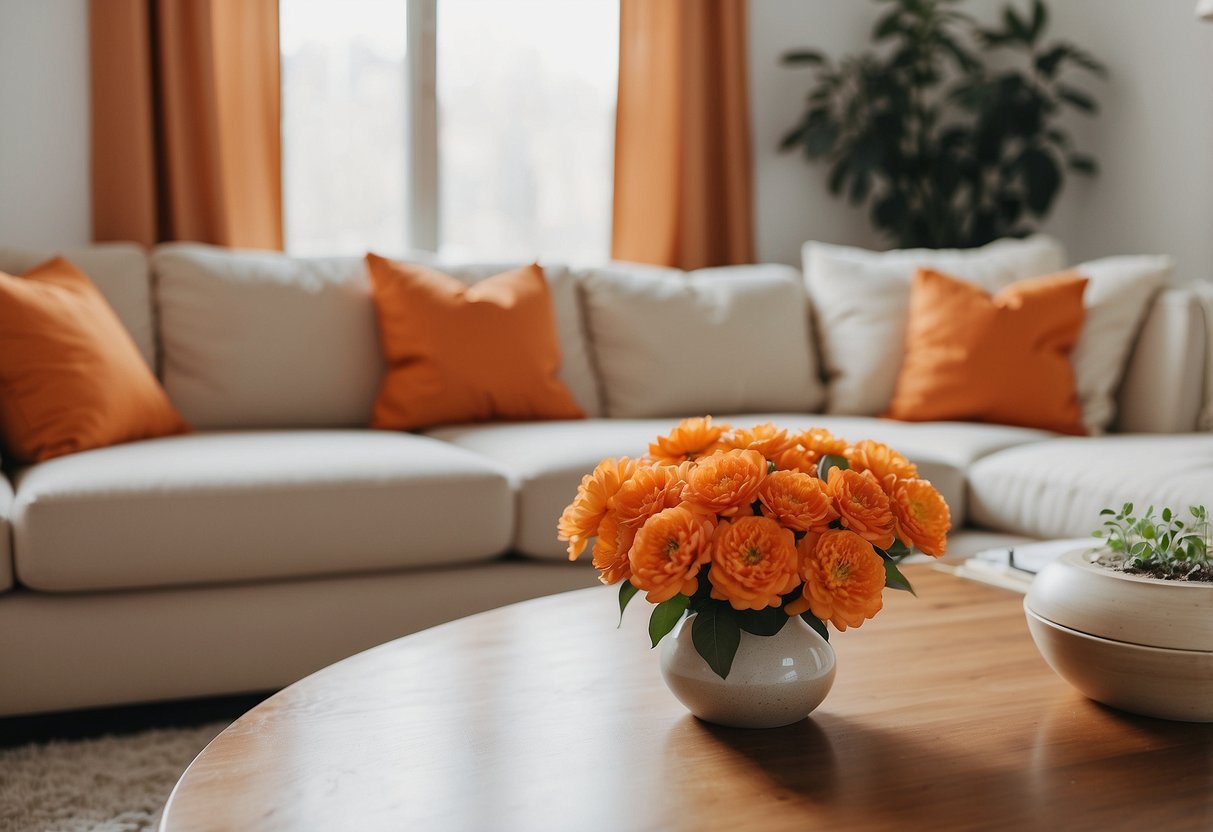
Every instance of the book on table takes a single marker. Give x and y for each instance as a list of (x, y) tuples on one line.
[(1014, 567)]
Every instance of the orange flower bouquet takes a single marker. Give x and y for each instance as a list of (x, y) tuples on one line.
[(747, 527)]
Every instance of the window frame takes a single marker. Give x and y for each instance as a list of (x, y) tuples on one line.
[(421, 97)]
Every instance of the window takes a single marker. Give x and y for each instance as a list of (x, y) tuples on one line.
[(483, 129)]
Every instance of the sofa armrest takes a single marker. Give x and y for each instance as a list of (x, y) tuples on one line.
[(1163, 383)]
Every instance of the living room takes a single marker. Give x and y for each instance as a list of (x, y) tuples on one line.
[(333, 331)]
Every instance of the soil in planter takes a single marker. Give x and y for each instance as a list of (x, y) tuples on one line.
[(1178, 571)]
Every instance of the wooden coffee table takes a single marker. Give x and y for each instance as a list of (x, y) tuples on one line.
[(542, 715)]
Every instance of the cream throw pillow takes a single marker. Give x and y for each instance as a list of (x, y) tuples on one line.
[(1119, 293), (716, 341), (861, 302)]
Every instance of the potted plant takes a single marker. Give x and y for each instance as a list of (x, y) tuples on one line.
[(946, 149), (1130, 623), (749, 542)]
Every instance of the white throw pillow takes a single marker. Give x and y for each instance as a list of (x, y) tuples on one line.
[(1118, 295), (861, 302), (256, 339), (714, 341)]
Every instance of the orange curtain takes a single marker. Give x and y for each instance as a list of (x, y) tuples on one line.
[(185, 121), (682, 135)]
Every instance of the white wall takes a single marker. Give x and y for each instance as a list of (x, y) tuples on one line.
[(1154, 137), (44, 166)]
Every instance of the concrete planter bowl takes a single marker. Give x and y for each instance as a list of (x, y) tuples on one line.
[(1140, 644)]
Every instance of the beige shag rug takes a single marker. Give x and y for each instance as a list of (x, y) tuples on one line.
[(108, 784)]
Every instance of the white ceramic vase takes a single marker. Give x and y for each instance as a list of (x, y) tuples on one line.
[(775, 680), (1136, 643)]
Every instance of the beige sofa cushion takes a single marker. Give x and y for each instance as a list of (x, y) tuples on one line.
[(546, 461), (6, 534), (243, 506), (861, 304), (120, 272), (255, 339), (1057, 490), (731, 339), (1119, 293), (1161, 390)]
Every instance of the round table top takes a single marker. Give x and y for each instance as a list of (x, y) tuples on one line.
[(543, 715)]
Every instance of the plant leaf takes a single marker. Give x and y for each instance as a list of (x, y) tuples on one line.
[(804, 57), (1077, 98), (764, 622), (830, 461), (893, 578), (626, 593), (716, 637), (665, 616), (816, 623), (1042, 179)]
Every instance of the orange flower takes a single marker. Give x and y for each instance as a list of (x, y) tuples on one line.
[(754, 563), (611, 550), (649, 490), (811, 445), (882, 461), (921, 516), (670, 548), (580, 520), (726, 482), (843, 578), (767, 439), (691, 439), (862, 505), (798, 501)]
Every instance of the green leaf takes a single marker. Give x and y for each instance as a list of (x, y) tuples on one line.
[(887, 26), (830, 461), (764, 622), (1042, 179), (820, 137), (893, 578), (626, 593), (1077, 99), (804, 57), (716, 636), (1040, 19), (816, 623), (1081, 163), (897, 550), (665, 616)]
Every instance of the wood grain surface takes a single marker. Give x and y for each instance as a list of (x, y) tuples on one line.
[(543, 716)]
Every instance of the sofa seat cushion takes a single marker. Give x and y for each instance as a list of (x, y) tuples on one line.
[(1057, 490), (547, 460), (227, 507), (6, 534)]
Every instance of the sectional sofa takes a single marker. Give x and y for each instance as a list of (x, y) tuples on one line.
[(282, 535)]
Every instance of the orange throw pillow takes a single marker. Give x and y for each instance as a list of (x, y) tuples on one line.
[(459, 353), (71, 378), (1005, 358)]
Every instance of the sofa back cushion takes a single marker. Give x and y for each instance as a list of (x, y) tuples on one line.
[(255, 339), (722, 340), (118, 270), (1161, 390), (861, 302)]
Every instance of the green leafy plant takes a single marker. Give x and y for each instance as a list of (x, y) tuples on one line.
[(947, 150), (1165, 545)]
